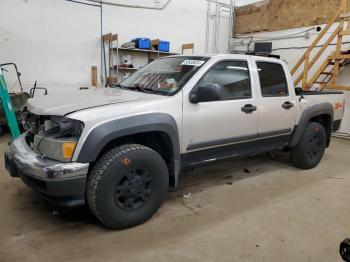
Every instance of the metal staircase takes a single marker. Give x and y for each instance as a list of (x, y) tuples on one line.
[(327, 74)]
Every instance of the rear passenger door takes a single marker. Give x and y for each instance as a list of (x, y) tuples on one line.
[(277, 109)]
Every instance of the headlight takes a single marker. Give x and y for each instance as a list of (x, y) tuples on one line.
[(59, 139), (66, 126)]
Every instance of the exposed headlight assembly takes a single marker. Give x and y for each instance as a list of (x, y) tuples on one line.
[(59, 139)]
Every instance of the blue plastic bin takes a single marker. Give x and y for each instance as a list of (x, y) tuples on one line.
[(164, 46), (142, 43)]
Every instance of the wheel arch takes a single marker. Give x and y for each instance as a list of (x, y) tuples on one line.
[(326, 121), (321, 113), (155, 130)]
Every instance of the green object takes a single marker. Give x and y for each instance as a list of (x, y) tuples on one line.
[(8, 108)]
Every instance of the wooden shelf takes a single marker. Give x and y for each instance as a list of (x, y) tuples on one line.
[(143, 51)]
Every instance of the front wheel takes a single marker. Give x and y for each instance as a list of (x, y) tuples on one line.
[(127, 186), (310, 150)]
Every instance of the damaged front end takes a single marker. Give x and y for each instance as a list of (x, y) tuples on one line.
[(54, 137), (42, 158)]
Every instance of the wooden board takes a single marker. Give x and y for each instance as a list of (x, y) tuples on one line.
[(188, 46), (274, 15), (110, 37), (94, 75)]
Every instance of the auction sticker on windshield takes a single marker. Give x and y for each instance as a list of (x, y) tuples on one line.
[(193, 62)]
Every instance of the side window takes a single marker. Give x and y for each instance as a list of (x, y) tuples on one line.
[(273, 80), (233, 77)]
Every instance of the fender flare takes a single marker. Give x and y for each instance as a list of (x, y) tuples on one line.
[(309, 112), (106, 132)]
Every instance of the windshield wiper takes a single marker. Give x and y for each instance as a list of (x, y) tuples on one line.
[(135, 87), (142, 89)]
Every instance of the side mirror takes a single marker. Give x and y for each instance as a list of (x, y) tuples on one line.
[(206, 93), (298, 91)]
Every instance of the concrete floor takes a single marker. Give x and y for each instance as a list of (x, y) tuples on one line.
[(269, 212)]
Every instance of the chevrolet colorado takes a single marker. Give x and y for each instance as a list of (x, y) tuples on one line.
[(120, 149)]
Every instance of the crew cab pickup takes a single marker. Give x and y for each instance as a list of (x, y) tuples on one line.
[(121, 149)]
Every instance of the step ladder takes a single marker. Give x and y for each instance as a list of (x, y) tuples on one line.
[(8, 107)]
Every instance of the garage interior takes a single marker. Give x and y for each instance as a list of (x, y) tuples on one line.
[(259, 208)]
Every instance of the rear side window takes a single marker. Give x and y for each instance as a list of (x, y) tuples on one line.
[(233, 77), (273, 80)]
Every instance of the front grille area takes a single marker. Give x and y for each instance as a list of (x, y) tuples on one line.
[(34, 124)]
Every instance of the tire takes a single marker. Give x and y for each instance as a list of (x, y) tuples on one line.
[(310, 150), (127, 186)]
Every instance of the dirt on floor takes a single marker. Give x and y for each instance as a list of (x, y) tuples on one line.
[(257, 209)]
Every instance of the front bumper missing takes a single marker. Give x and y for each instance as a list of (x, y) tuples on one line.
[(62, 183)]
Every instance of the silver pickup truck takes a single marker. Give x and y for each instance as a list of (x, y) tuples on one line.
[(121, 149)]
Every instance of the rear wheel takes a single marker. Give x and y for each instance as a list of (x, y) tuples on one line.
[(127, 186), (310, 150)]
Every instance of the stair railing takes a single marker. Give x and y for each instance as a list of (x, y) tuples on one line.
[(308, 62)]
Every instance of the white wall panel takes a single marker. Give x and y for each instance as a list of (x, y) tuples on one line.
[(56, 42)]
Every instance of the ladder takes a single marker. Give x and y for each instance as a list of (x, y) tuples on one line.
[(8, 107), (327, 74), (109, 39)]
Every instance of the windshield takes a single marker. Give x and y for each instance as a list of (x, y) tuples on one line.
[(165, 76)]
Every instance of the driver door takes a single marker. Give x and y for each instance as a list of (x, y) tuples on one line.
[(223, 128)]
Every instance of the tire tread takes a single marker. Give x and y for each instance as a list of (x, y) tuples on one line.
[(98, 170), (297, 154)]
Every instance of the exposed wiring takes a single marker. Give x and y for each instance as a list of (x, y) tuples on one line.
[(277, 37), (130, 6), (271, 39), (303, 47), (289, 36), (268, 39)]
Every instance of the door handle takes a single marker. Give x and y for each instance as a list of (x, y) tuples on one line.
[(248, 109), (287, 105)]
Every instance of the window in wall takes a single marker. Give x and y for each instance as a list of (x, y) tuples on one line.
[(233, 77), (273, 80)]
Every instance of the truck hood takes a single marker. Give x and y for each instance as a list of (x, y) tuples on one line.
[(61, 104)]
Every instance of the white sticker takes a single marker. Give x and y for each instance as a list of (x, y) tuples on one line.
[(193, 62)]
